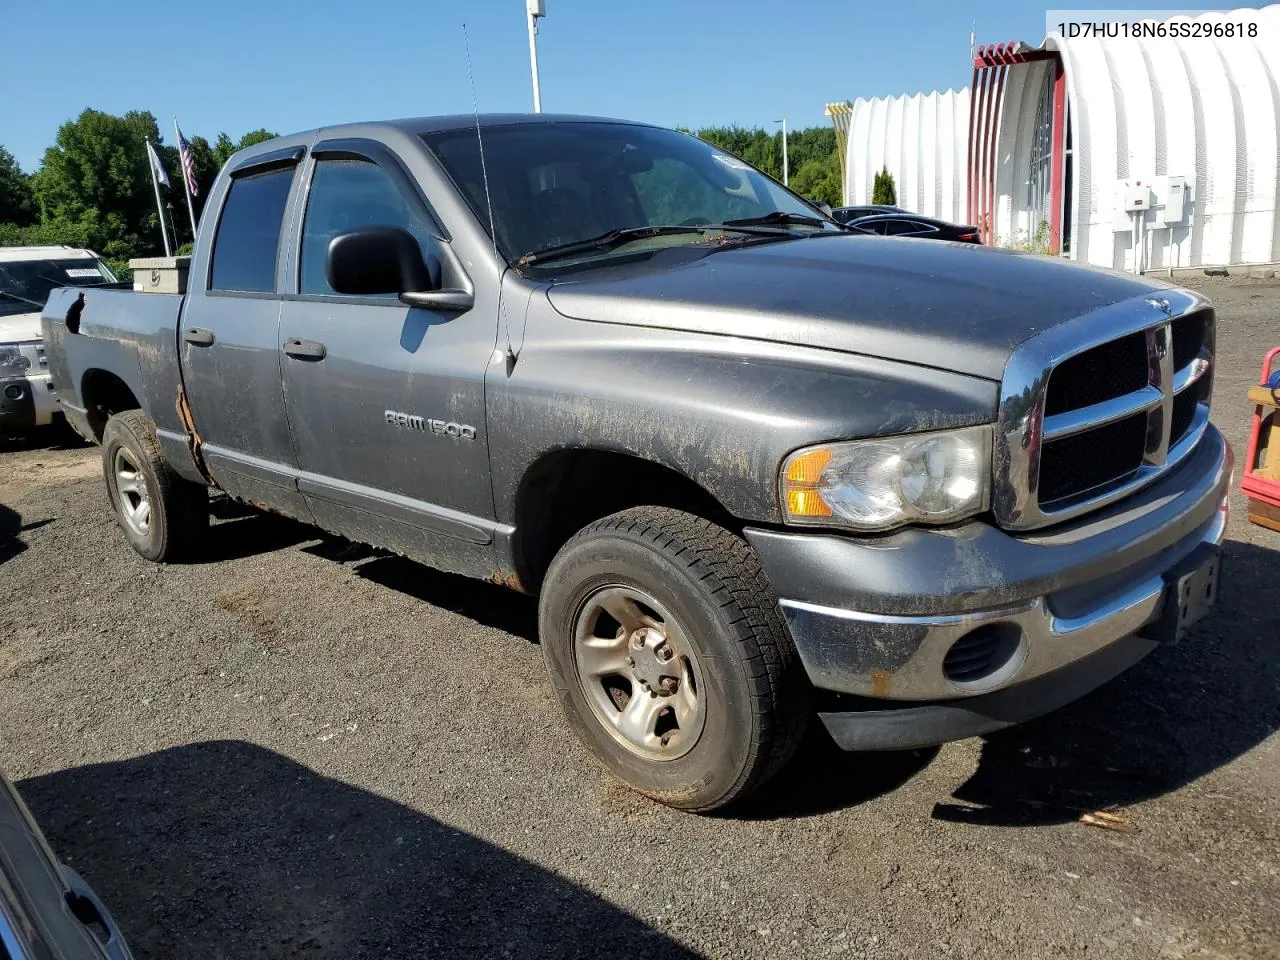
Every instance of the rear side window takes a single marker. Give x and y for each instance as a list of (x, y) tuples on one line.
[(248, 238)]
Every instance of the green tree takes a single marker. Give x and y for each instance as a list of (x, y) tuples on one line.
[(819, 180), (883, 189), (224, 146), (811, 155), (94, 189), (97, 175), (49, 233), (17, 199)]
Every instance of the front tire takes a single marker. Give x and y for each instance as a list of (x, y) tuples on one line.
[(668, 654), (163, 516)]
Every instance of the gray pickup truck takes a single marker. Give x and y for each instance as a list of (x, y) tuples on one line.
[(755, 468)]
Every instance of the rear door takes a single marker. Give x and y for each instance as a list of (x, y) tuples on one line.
[(229, 338), (385, 401)]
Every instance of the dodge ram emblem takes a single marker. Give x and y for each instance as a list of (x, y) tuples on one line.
[(1161, 304), (445, 428)]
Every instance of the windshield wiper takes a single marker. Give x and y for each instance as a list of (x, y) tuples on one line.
[(778, 216), (34, 303), (613, 238)]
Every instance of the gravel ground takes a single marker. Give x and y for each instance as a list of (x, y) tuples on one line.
[(300, 746)]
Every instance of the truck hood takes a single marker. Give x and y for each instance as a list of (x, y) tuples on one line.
[(953, 306), (20, 327)]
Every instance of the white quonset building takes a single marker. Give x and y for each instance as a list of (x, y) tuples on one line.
[(1117, 146)]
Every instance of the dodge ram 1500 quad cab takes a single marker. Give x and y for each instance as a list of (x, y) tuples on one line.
[(755, 467)]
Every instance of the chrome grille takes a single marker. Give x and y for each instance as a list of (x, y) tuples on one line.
[(1099, 406)]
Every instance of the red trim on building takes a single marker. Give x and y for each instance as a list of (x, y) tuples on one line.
[(1059, 159), (970, 154), (991, 65), (993, 153)]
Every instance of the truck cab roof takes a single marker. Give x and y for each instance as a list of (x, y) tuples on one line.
[(415, 127)]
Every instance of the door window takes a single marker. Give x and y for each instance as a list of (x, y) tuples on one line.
[(248, 238), (347, 195)]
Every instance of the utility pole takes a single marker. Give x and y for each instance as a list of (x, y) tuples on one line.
[(785, 171), (535, 9)]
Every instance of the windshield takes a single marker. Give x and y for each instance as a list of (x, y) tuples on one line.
[(562, 183), (25, 285)]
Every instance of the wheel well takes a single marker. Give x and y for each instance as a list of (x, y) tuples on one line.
[(103, 393), (565, 491)]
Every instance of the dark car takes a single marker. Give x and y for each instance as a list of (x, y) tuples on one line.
[(845, 214), (46, 910), (903, 224)]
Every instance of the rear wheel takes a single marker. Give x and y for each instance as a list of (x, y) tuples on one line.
[(668, 654), (163, 516)]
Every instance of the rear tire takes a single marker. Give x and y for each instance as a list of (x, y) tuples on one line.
[(163, 517), (668, 653)]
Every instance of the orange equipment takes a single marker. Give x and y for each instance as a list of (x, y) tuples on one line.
[(1261, 481)]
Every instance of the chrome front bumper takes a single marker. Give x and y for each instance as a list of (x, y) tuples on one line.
[(1049, 641), (1065, 594)]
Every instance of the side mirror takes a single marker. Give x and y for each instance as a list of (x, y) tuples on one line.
[(376, 260), (824, 207)]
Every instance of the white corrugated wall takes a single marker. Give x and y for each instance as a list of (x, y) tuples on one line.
[(922, 139), (1205, 109)]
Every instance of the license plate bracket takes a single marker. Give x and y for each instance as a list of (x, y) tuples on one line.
[(1191, 589)]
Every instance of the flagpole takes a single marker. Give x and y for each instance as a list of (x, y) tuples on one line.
[(191, 210), (164, 230)]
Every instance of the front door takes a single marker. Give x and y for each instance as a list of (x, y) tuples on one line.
[(229, 342), (385, 401)]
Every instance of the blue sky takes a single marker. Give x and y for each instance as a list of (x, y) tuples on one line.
[(287, 65)]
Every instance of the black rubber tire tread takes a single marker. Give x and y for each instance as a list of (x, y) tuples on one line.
[(729, 570), (179, 527)]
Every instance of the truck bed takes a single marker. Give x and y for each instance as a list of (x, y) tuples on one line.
[(97, 332)]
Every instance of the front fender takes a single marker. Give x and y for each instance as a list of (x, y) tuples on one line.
[(722, 411)]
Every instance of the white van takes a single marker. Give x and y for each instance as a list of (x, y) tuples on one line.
[(27, 274)]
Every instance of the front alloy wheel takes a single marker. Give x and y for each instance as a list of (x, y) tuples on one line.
[(639, 673), (667, 651)]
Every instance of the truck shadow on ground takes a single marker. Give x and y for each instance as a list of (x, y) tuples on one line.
[(487, 603), (238, 531), (11, 527), (225, 849), (1180, 714), (1183, 712), (59, 436)]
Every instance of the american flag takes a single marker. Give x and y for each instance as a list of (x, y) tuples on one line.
[(188, 164)]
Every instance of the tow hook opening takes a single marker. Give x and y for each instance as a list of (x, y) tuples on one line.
[(986, 657)]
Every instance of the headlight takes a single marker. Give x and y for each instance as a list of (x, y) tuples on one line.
[(11, 361), (879, 484)]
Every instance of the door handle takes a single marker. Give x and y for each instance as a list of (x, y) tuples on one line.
[(198, 336), (304, 349)]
